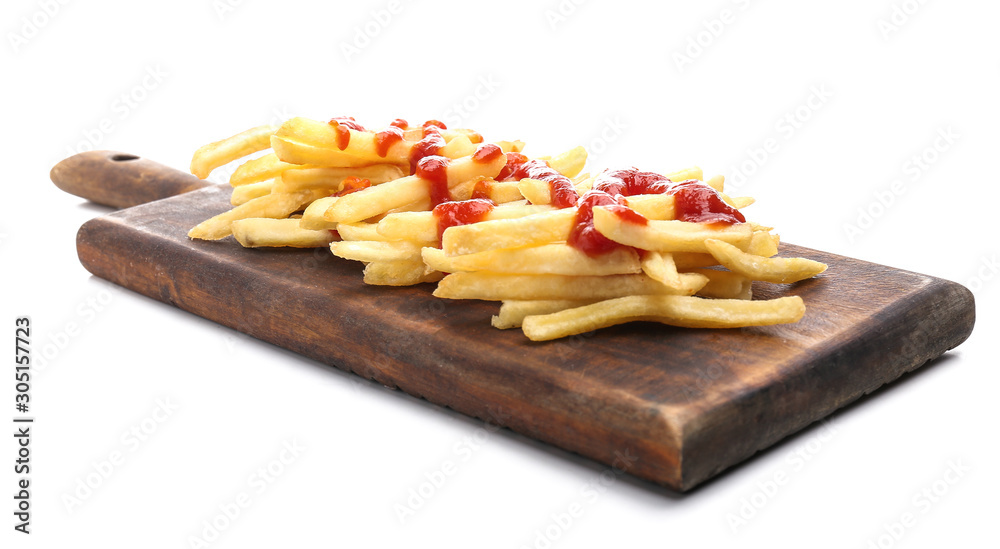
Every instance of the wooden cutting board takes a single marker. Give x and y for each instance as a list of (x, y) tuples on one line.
[(685, 404)]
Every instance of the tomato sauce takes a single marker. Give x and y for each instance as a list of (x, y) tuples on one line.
[(697, 202), (486, 153), (435, 170), (430, 145), (342, 126), (584, 236), (694, 201), (353, 184), (561, 190), (386, 139), (453, 214), (482, 188)]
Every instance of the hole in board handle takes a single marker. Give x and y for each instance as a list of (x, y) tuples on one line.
[(124, 157)]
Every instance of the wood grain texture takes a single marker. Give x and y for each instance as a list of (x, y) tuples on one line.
[(121, 180), (687, 403)]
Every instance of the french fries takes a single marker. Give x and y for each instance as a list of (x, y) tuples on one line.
[(502, 287), (261, 232), (683, 311), (431, 204), (275, 205), (776, 269), (223, 152)]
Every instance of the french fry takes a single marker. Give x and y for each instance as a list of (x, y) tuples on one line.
[(693, 172), (312, 217), (246, 193), (458, 147), (400, 192), (276, 206), (258, 232), (297, 152), (763, 244), (569, 163), (684, 311), (554, 259), (360, 231), (725, 284), (304, 141), (512, 313), (422, 225), (259, 169), (661, 268), (222, 152), (668, 236), (774, 269), (535, 190), (717, 182), (692, 260), (533, 230), (501, 192), (583, 183), (376, 251), (510, 146), (652, 206), (398, 273), (503, 287), (738, 202), (331, 179)]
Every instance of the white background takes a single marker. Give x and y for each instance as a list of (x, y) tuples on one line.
[(607, 75)]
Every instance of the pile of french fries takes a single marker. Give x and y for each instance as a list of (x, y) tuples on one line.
[(372, 197)]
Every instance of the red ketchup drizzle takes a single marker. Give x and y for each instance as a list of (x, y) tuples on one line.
[(697, 202), (428, 146), (584, 236), (387, 138), (342, 125), (353, 184), (400, 123), (482, 188), (632, 182), (437, 123), (486, 153), (561, 190), (435, 170), (694, 201), (453, 214)]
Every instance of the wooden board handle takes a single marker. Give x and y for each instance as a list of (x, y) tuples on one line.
[(120, 179)]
